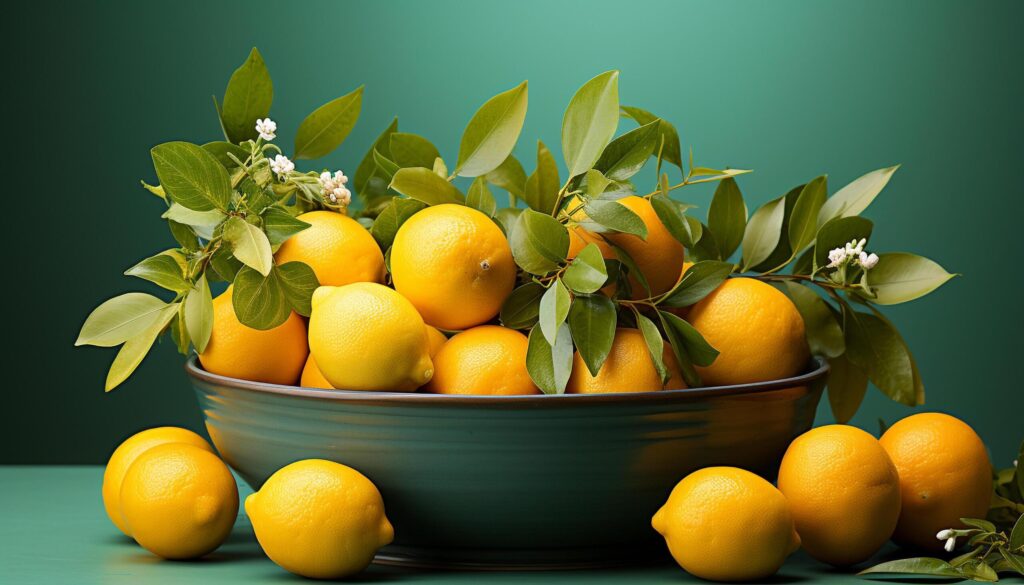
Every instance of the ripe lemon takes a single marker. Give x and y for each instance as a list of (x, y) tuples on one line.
[(179, 501), (579, 238), (659, 257), (844, 493), (727, 524), (319, 519), (628, 368), (483, 360), (757, 329), (454, 264), (366, 336), (275, 355), (945, 475), (126, 454), (312, 377), (336, 247)]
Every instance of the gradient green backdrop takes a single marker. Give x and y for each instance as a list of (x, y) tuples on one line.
[(790, 89)]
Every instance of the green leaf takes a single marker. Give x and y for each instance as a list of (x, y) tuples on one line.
[(678, 345), (900, 277), (655, 344), (697, 282), (220, 150), (249, 244), (667, 134), (225, 266), (541, 191), (297, 281), (492, 132), (412, 150), (247, 98), (684, 229), (368, 184), (507, 218), (763, 232), (727, 216), (697, 348), (280, 225), (706, 247), (596, 183), (915, 566), (192, 176), (328, 126), (836, 234), (803, 223), (824, 335), (980, 524), (120, 319), (259, 301), (847, 385), (386, 167), (135, 349), (386, 225), (627, 154), (587, 273), (590, 122), (521, 309), (1014, 562), (179, 331), (480, 197), (1017, 535), (874, 346), (199, 314), (539, 242), (554, 308), (440, 169), (549, 367), (510, 176), (854, 198), (162, 270), (615, 216), (424, 185), (592, 320), (979, 570), (155, 190), (631, 270), (202, 221), (710, 174)]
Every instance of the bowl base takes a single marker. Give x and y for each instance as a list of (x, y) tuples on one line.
[(561, 559)]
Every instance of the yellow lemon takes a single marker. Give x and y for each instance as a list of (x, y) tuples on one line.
[(336, 247), (757, 329), (483, 360), (435, 340), (179, 501), (945, 475), (659, 257), (126, 454), (312, 377), (628, 368), (366, 336), (844, 493), (727, 524), (454, 264), (319, 519), (275, 355)]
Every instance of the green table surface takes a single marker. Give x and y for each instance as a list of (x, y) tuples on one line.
[(53, 530)]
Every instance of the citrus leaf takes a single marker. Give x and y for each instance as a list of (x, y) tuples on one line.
[(119, 319), (135, 349), (297, 281), (541, 190), (259, 300), (510, 176), (1017, 534), (179, 331), (914, 566), (549, 367), (697, 348), (224, 265), (199, 314), (1014, 562), (328, 126), (279, 225), (615, 216), (480, 197), (386, 167), (627, 154), (847, 385), (900, 277), (824, 335), (386, 224), (836, 234), (220, 150), (596, 183), (727, 216), (412, 150), (249, 244), (803, 223), (191, 176), (631, 269), (697, 282), (678, 345), (686, 230), (202, 221), (507, 217), (366, 181), (763, 232), (667, 134), (587, 273), (874, 346), (539, 242), (521, 309), (854, 198), (554, 307), (247, 98), (655, 344), (162, 270), (592, 320), (590, 122), (492, 132), (424, 185)]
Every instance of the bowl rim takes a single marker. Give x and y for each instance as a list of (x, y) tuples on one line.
[(818, 369)]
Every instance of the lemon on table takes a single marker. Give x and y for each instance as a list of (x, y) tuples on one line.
[(483, 360), (126, 454), (727, 524), (274, 355), (628, 368), (319, 519), (844, 493), (945, 475), (757, 330), (336, 247), (179, 501), (366, 336), (454, 264), (659, 257)]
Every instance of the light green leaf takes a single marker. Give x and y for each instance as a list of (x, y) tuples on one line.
[(521, 309), (386, 225), (247, 98), (541, 191), (279, 225), (763, 232), (120, 319), (259, 301), (412, 150), (655, 344), (199, 314), (424, 185), (837, 233), (615, 216), (900, 277), (155, 190), (697, 282), (727, 216), (367, 182), (506, 218), (249, 244), (915, 566), (627, 154), (875, 347), (220, 150), (510, 176), (162, 270), (440, 169), (803, 223), (824, 336), (587, 273), (549, 367), (592, 320), (539, 242), (596, 183), (192, 176), (554, 308), (135, 349), (854, 198), (328, 126), (590, 122), (667, 134), (697, 348), (480, 197), (710, 174), (202, 221), (297, 281), (179, 332), (492, 132), (847, 385), (386, 167)]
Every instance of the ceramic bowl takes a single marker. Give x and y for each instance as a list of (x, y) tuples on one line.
[(512, 481)]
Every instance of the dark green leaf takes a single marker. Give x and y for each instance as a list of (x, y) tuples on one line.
[(539, 242), (480, 197), (655, 345), (803, 223), (492, 132), (225, 266), (280, 225), (727, 216), (412, 150), (697, 348), (386, 225), (298, 281), (706, 248), (184, 235), (590, 122), (199, 314), (328, 126), (554, 308), (900, 277), (854, 198), (615, 216), (1017, 535), (915, 566), (587, 273), (697, 282), (631, 269), (668, 136), (824, 336), (684, 229), (627, 154), (162, 270), (763, 232), (541, 191), (847, 385), (836, 234), (678, 345), (192, 176), (980, 524), (424, 185), (874, 346), (1014, 562), (592, 321), (510, 176), (221, 149), (247, 98), (367, 182), (521, 309), (258, 300), (386, 168)]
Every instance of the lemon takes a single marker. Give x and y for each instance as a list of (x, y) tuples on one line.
[(727, 524), (336, 247), (628, 368), (319, 519), (659, 257), (179, 501), (487, 359), (126, 454), (366, 336)]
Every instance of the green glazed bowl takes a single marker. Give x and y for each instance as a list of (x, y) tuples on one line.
[(520, 482)]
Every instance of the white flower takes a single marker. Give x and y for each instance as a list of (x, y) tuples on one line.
[(836, 257), (945, 534), (334, 187), (267, 129), (281, 165), (950, 544), (867, 261)]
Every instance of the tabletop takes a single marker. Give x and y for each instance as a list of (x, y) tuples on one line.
[(53, 530)]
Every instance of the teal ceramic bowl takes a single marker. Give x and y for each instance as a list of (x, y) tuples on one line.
[(512, 481)]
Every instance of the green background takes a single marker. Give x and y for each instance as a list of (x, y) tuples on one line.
[(790, 89)]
